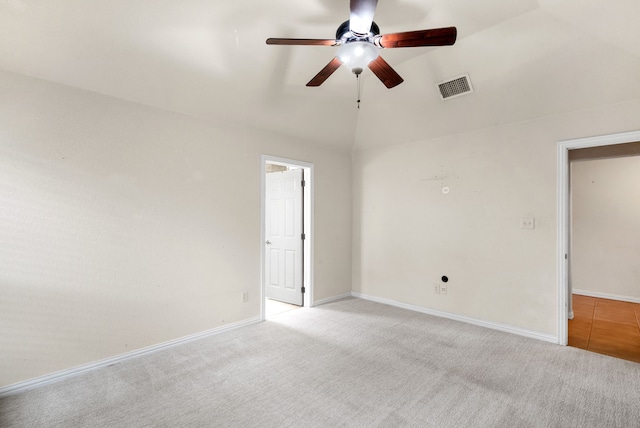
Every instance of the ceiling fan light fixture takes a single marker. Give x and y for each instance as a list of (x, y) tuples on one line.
[(357, 55), (360, 39)]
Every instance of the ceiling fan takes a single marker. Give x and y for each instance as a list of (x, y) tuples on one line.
[(359, 39)]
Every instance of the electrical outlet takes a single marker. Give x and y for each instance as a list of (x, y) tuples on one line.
[(443, 288), (527, 223), (244, 296), (436, 289)]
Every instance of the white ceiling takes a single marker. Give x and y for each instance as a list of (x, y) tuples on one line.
[(208, 59)]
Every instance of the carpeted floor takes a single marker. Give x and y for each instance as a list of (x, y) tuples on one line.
[(351, 363)]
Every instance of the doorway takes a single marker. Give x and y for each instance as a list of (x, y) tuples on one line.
[(604, 248), (565, 305), (286, 235)]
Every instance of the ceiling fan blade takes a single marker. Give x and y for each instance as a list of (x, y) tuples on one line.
[(385, 73), (435, 37), (361, 16), (325, 72), (302, 42)]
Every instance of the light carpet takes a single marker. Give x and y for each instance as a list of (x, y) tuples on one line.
[(350, 363)]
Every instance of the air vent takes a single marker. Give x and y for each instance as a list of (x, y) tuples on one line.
[(455, 87)]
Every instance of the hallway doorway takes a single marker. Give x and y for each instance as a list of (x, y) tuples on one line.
[(593, 146), (286, 235)]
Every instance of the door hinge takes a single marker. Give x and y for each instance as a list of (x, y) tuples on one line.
[(304, 236), (304, 183), (303, 290)]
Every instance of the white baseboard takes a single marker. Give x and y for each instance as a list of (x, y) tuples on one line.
[(606, 296), (75, 371), (331, 299), (480, 323)]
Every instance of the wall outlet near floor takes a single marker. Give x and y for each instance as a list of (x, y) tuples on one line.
[(244, 296), (443, 288), (527, 223), (436, 289)]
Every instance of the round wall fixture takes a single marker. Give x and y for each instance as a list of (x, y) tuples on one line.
[(445, 190), (445, 278)]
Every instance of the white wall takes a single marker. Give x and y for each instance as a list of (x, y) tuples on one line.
[(123, 226), (407, 233), (605, 244)]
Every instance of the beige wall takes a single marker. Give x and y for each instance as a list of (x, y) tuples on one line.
[(605, 244), (123, 226), (407, 233)]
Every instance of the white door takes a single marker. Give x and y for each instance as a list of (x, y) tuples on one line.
[(283, 234)]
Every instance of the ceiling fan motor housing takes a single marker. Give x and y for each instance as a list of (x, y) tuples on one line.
[(346, 35)]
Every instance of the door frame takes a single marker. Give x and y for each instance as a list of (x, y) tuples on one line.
[(565, 309), (307, 216)]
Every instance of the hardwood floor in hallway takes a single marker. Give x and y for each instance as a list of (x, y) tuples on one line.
[(608, 327)]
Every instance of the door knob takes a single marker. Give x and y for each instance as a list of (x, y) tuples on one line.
[(268, 242)]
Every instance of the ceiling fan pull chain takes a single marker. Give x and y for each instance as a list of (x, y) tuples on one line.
[(358, 90)]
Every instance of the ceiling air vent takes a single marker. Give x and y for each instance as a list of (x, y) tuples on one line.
[(455, 87)]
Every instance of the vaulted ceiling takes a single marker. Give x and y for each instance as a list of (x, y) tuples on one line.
[(208, 59)]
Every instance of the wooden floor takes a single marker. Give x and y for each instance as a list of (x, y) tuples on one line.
[(609, 327)]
